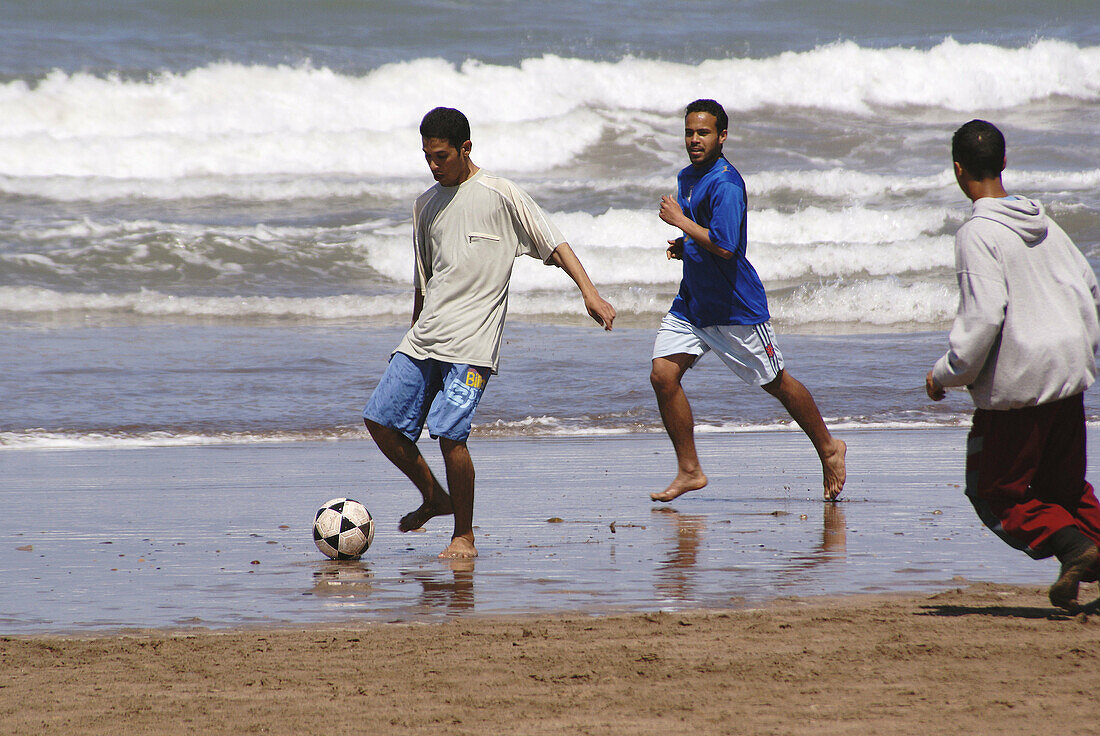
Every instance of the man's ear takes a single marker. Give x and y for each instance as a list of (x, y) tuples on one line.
[(466, 148)]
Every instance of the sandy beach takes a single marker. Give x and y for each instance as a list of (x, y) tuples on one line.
[(750, 607), (986, 659)]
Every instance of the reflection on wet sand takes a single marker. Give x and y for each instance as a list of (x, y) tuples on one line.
[(834, 532), (676, 573), (342, 579), (834, 539), (450, 587)]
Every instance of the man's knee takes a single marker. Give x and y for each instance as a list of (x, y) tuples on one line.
[(388, 437), (666, 373), (380, 431), (778, 386), (658, 378), (663, 382), (447, 446)]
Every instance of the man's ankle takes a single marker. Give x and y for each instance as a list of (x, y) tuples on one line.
[(1069, 545)]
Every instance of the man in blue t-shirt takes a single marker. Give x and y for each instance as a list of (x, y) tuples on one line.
[(721, 306)]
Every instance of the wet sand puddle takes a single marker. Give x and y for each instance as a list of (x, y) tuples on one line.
[(220, 536)]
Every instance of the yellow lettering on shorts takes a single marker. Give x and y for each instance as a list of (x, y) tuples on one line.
[(474, 379)]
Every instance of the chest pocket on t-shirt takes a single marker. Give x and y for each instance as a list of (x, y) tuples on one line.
[(475, 238)]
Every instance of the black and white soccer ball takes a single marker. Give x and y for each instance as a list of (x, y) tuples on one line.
[(343, 529)]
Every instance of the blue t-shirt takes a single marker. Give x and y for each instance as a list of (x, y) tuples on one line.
[(717, 291)]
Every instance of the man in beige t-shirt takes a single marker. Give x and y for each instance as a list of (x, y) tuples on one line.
[(468, 230)]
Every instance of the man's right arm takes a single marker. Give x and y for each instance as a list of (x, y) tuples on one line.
[(420, 275), (983, 300)]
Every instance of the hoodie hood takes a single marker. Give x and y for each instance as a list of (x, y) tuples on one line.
[(1025, 217)]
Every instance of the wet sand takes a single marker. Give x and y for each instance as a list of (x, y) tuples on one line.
[(749, 607), (219, 537)]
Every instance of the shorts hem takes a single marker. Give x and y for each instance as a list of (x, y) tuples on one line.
[(388, 425), (445, 437)]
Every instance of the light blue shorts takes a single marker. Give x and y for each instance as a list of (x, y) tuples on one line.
[(416, 392), (748, 350)]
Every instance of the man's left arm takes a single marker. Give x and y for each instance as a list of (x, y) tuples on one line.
[(673, 214), (539, 237), (598, 308)]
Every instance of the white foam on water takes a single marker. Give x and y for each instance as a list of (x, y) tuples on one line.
[(835, 183), (270, 188), (229, 119), (47, 440), (830, 260), (816, 224), (880, 302), (541, 426), (843, 183), (28, 300)]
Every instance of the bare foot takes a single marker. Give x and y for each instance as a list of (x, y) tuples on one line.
[(683, 483), (834, 472), (1063, 593), (416, 519), (459, 548)]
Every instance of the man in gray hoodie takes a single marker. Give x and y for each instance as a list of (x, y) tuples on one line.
[(1023, 342)]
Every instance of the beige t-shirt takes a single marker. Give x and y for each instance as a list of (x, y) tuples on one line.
[(465, 240)]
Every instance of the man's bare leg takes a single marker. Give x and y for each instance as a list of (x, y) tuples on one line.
[(676, 414), (460, 479), (402, 452), (798, 402)]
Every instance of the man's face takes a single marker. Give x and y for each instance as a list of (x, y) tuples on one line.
[(702, 138), (450, 166)]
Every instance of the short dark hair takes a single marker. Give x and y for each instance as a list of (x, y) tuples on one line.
[(447, 124), (980, 149), (712, 107)]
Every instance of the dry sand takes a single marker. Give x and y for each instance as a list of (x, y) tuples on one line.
[(988, 659)]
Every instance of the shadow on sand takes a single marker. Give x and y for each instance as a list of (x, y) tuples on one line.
[(1032, 612)]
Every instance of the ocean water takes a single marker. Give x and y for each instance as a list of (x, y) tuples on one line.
[(205, 207)]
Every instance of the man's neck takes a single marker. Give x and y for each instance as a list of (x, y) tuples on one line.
[(703, 166), (980, 189), (474, 168), (976, 189), (466, 176)]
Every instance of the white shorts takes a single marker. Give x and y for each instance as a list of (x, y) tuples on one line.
[(749, 350)]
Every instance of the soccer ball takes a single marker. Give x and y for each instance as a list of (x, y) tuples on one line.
[(343, 529)]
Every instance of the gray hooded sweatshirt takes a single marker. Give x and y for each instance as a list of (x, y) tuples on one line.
[(1027, 326)]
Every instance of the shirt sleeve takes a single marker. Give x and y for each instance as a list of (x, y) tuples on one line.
[(983, 300), (537, 235), (727, 213)]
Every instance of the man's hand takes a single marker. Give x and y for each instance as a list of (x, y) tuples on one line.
[(670, 211), (675, 249), (600, 310), (933, 388)]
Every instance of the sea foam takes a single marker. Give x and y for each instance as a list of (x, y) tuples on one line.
[(229, 119)]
